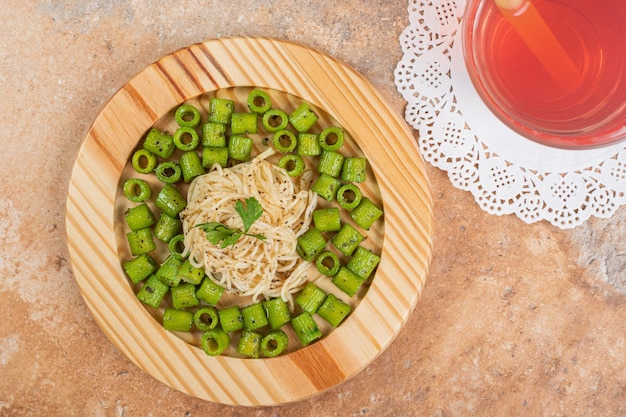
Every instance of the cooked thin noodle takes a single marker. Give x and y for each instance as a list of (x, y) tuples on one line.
[(261, 269)]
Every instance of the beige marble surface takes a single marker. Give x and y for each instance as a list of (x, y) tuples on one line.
[(515, 319)]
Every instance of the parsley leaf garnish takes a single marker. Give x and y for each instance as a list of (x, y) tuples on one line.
[(218, 234), (250, 213)]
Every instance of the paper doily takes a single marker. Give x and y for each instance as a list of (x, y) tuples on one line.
[(506, 173)]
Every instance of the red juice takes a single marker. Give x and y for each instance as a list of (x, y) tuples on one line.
[(554, 71)]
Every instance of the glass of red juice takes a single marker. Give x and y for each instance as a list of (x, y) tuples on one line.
[(552, 70)]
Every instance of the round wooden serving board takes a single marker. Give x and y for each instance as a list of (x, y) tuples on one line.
[(382, 136)]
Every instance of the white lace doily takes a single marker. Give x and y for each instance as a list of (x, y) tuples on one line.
[(506, 173)]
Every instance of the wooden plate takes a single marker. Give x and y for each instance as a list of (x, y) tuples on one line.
[(382, 136)]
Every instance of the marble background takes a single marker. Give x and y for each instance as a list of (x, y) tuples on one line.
[(515, 319)]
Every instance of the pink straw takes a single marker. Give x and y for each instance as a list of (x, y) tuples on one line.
[(536, 34)]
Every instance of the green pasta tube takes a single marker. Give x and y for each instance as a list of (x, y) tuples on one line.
[(354, 169), (168, 271), (259, 101), (306, 328), (327, 219), (347, 239), (159, 143), (330, 163), (328, 263), (214, 342), (308, 145), (152, 292), (137, 190), (184, 296), (186, 139), (249, 344), (347, 281), (170, 200), (240, 148), (187, 116), (140, 267), (333, 310), (331, 138), (206, 318), (310, 244), (176, 246), (243, 123), (349, 196), (167, 227), (191, 166), (190, 273), (274, 343), (311, 298), (277, 312), (293, 164), (366, 213), (363, 262), (140, 241), (214, 155), (284, 141), (144, 161), (209, 291), (303, 118), (168, 172), (214, 134), (177, 320), (231, 318), (275, 120), (326, 186), (220, 110), (254, 316), (139, 217)]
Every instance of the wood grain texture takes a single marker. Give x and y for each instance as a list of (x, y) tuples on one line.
[(382, 136)]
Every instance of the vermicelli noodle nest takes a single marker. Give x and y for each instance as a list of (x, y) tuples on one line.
[(253, 267)]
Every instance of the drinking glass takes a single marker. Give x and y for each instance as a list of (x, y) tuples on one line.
[(552, 70)]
